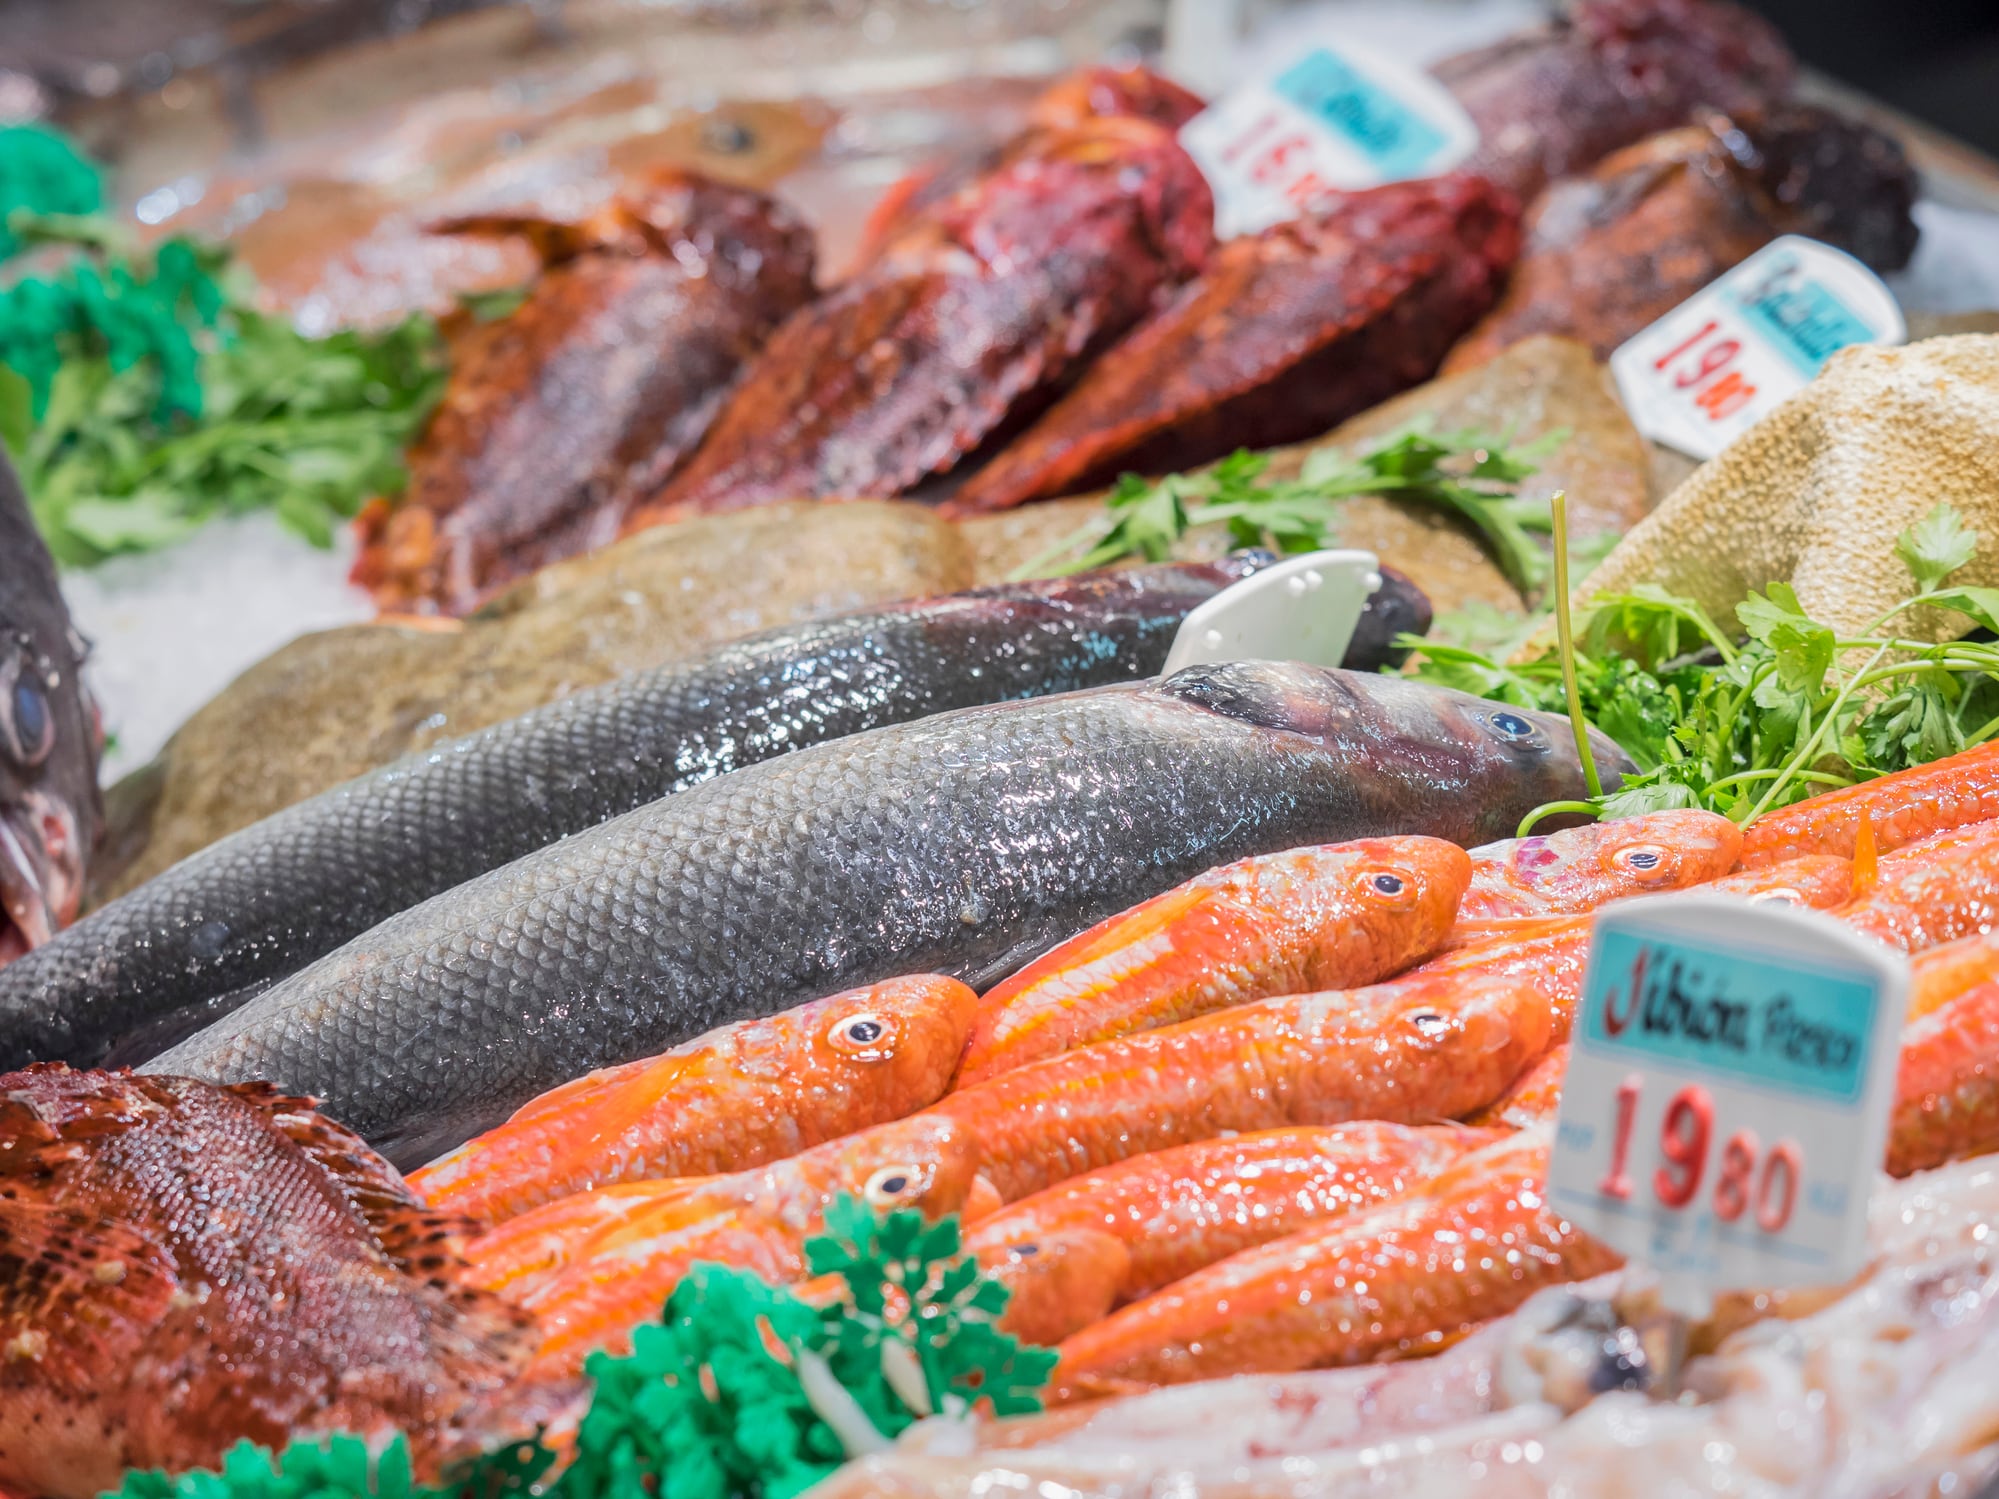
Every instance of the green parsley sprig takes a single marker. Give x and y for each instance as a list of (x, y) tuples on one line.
[(1743, 725), (141, 394), (1475, 476), (742, 1390)]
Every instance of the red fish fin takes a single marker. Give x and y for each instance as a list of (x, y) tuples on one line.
[(83, 1295)]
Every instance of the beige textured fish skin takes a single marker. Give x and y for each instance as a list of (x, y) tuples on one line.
[(1817, 491)]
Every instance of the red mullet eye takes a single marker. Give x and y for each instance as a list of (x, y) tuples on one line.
[(1431, 1023), (867, 1035), (1642, 859), (1389, 887), (892, 1184)]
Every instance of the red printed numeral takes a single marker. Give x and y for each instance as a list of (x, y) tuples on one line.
[(1721, 391), (1685, 1132)]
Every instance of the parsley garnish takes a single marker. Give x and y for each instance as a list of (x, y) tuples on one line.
[(1477, 477), (1743, 725)]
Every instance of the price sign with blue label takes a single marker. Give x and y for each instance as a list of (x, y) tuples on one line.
[(1725, 1111), (1337, 118), (1722, 360)]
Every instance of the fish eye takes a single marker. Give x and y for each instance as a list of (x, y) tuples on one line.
[(1430, 1022), (867, 1035), (1023, 1251), (1389, 887), (893, 1184), (25, 718), (1512, 725), (1641, 859)]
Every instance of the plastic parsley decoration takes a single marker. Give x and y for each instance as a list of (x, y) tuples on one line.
[(742, 1390)]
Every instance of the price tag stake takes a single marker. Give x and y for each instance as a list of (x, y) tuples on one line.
[(1726, 1106)]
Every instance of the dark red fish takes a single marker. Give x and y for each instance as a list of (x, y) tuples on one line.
[(590, 394), (183, 1265), (977, 312), (1558, 98), (1610, 252), (1286, 334)]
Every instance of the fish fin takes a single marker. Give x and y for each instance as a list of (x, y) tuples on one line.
[(85, 1293), (1866, 856)]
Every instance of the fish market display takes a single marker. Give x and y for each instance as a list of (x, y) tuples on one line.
[(50, 812), (1171, 1212), (1556, 99), (1609, 253), (591, 1268), (585, 399), (189, 1265), (1406, 1277), (196, 941), (1579, 869), (978, 310), (756, 1091), (1319, 918), (1284, 335), (1816, 493), (1410, 1052), (964, 844)]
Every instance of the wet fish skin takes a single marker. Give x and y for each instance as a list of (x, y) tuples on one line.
[(1947, 1084), (1413, 1051), (1579, 869), (1534, 1098), (1819, 881), (962, 844), (748, 1093), (1933, 891), (1939, 974), (1406, 1278), (1172, 1212), (51, 815), (284, 891), (1909, 805), (1331, 917)]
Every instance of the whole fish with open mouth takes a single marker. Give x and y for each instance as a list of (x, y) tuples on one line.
[(962, 844), (50, 810), (186, 947)]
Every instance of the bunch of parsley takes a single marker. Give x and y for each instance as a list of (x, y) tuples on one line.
[(1474, 476), (141, 395), (1743, 725)]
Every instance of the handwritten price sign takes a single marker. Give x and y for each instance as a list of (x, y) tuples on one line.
[(1723, 359), (1334, 119), (1726, 1105)]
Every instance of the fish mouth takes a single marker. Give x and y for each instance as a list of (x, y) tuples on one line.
[(41, 874)]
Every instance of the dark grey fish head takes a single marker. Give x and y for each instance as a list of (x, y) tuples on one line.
[(1442, 743), (50, 810)]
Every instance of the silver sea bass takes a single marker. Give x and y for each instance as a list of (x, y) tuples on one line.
[(965, 843)]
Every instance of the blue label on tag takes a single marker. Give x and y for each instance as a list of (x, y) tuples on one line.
[(1807, 323), (1780, 1023), (1394, 137)]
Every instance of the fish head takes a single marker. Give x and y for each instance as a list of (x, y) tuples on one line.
[(50, 811), (927, 1162), (1402, 893), (898, 1041), (1459, 743), (1578, 869), (1487, 1023)]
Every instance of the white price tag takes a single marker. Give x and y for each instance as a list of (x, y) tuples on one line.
[(1723, 359), (1338, 118), (1301, 609), (1725, 1111)]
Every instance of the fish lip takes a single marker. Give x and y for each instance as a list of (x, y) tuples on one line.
[(40, 886)]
